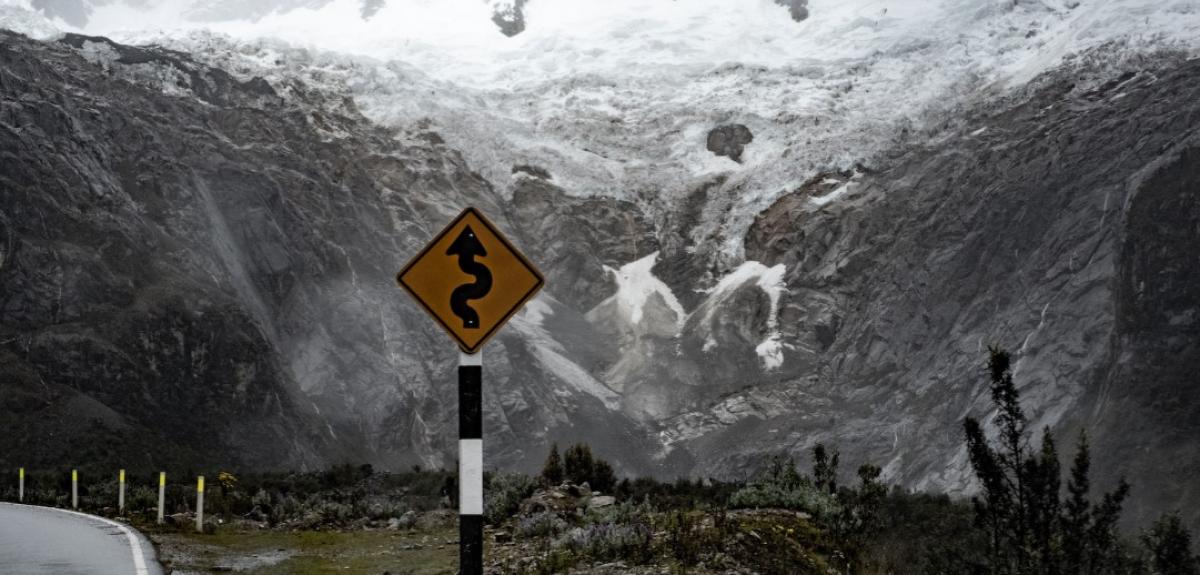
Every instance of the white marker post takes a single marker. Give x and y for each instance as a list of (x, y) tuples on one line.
[(21, 485), (75, 489), (470, 463), (200, 505), (121, 492), (162, 494)]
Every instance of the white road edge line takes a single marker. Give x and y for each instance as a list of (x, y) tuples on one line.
[(139, 560)]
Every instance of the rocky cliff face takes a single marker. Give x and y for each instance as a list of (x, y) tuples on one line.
[(198, 261), (1028, 225), (197, 268)]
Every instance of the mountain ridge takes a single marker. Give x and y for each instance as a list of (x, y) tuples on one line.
[(280, 211)]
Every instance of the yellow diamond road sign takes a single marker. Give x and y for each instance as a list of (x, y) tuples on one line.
[(470, 279)]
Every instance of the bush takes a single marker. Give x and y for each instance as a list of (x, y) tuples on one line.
[(552, 471), (687, 539), (505, 491), (608, 541), (804, 497), (544, 524), (578, 464)]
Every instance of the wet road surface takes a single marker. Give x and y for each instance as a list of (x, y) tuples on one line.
[(42, 540)]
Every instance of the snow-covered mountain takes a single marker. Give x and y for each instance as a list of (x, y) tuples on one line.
[(921, 179)]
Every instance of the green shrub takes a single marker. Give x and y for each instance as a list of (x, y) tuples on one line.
[(803, 497), (505, 491), (544, 524), (608, 541)]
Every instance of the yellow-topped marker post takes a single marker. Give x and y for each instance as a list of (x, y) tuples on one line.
[(162, 494), (75, 489), (21, 485), (200, 505), (121, 492)]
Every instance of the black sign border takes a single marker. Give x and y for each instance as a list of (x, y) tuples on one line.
[(462, 345)]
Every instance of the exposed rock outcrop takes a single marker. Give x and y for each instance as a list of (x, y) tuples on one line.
[(729, 140), (509, 16), (797, 8), (195, 269), (1035, 228)]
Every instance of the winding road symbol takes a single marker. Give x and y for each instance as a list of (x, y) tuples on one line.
[(471, 279), (466, 247)]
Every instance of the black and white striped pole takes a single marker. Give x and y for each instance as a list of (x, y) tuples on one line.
[(470, 463), (472, 281)]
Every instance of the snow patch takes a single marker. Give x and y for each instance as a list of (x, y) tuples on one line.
[(831, 196), (768, 279), (20, 16), (635, 286), (536, 311)]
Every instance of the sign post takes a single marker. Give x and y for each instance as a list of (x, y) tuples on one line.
[(21, 485), (471, 280), (74, 489)]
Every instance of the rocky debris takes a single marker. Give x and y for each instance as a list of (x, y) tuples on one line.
[(601, 501), (797, 8), (729, 140), (565, 499), (436, 519), (406, 521)]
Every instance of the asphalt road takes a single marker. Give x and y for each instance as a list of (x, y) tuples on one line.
[(43, 540)]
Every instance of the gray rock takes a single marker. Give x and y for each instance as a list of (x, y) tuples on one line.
[(601, 501), (729, 140), (509, 16), (797, 8)]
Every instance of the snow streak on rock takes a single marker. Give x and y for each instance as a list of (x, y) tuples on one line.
[(551, 355), (770, 281), (637, 288)]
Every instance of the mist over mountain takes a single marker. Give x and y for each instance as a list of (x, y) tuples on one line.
[(760, 231)]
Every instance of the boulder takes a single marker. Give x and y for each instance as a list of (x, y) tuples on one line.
[(601, 501), (729, 140)]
